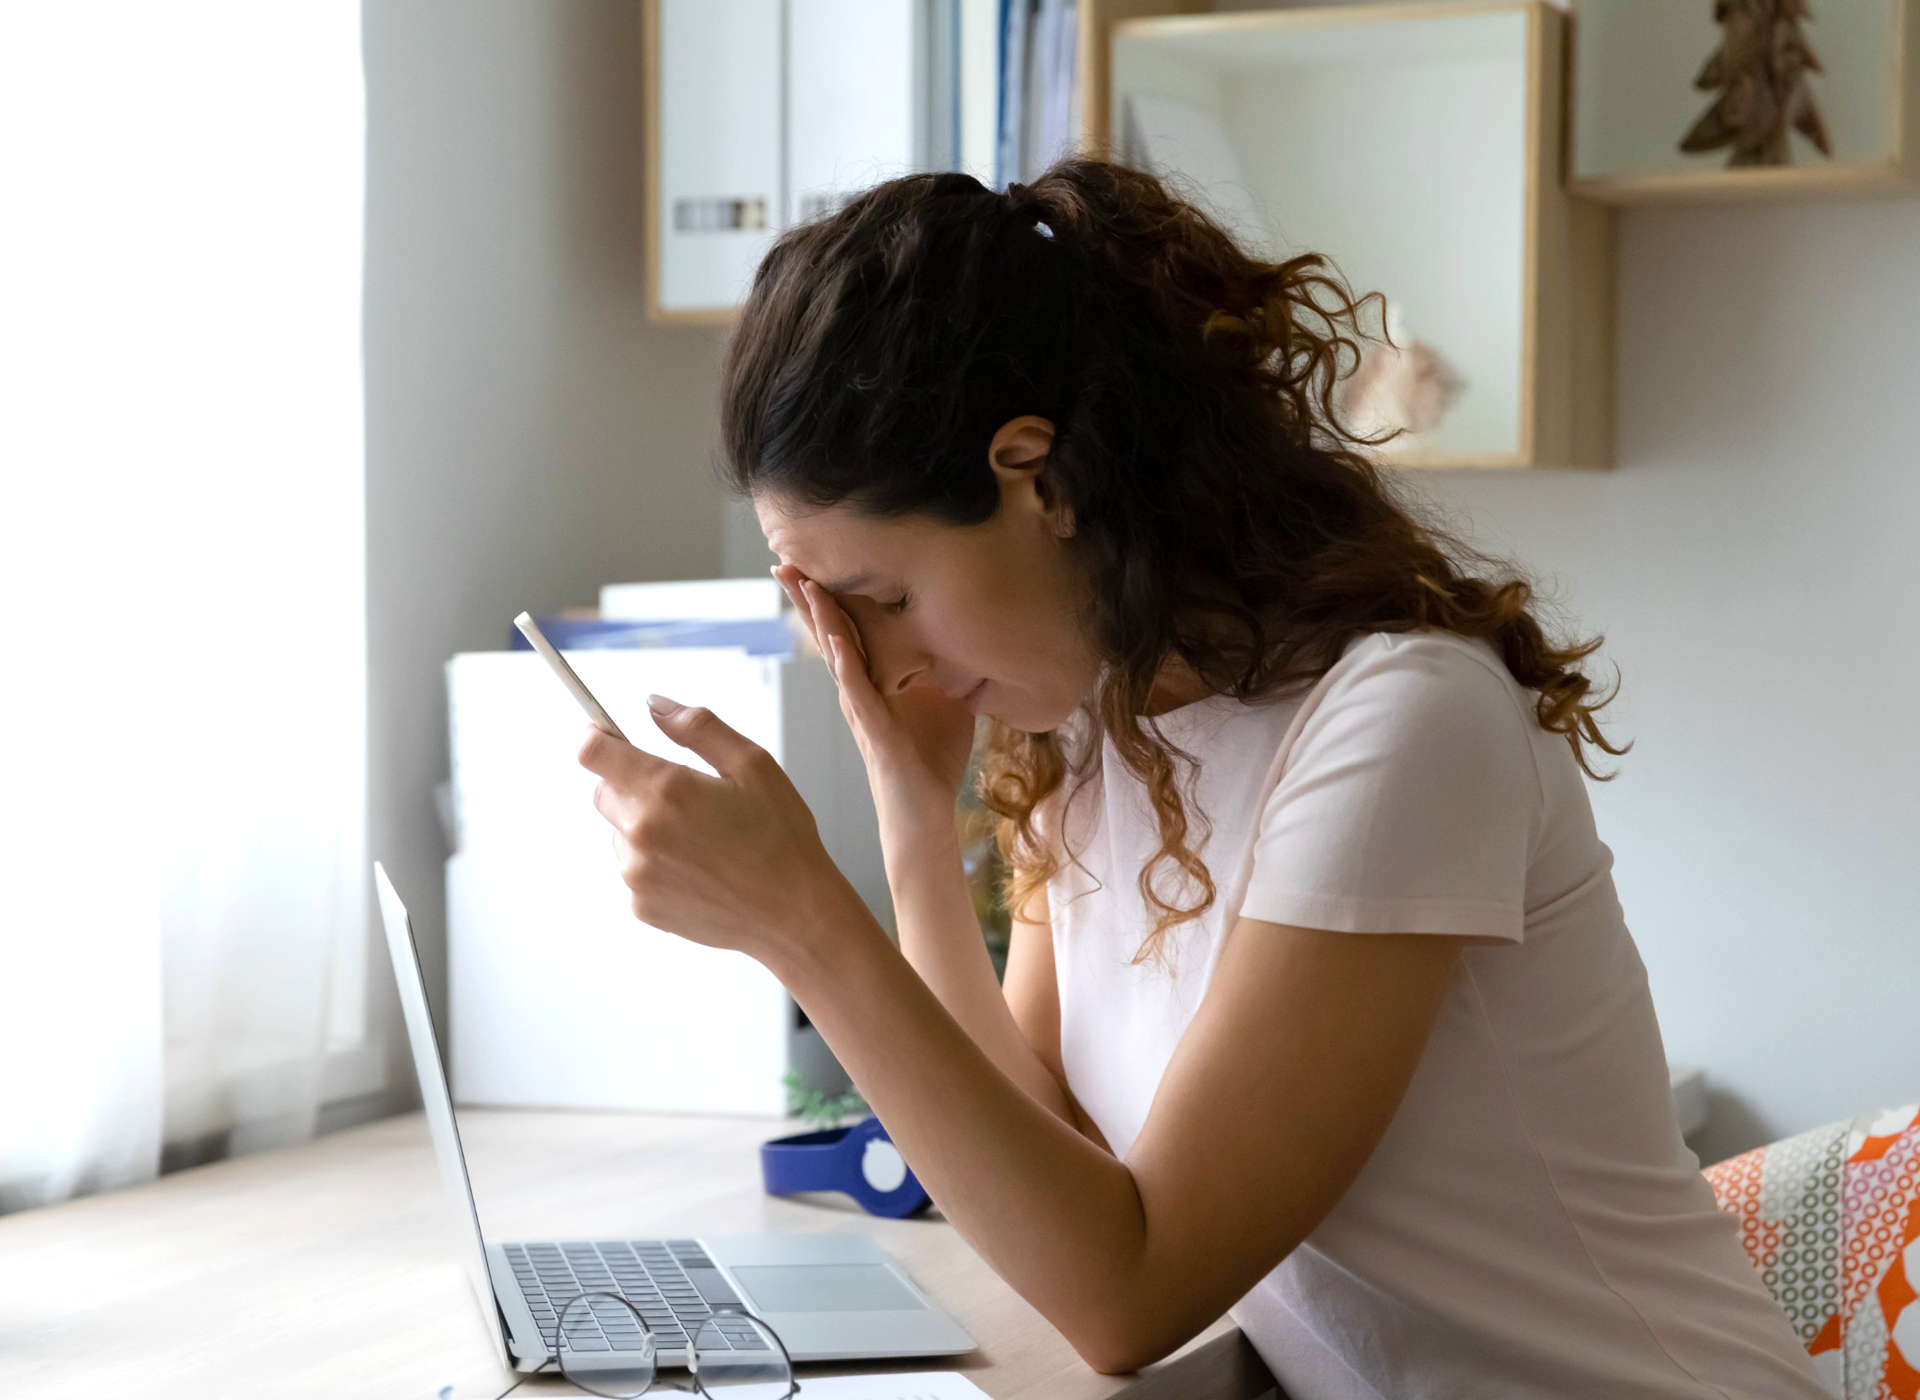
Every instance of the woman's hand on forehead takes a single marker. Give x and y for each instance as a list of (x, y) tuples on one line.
[(915, 743), (794, 583)]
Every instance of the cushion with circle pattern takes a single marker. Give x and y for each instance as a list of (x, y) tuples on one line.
[(1831, 1219)]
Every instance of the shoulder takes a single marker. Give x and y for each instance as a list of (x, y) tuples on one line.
[(1428, 668), (1430, 697), (1429, 649)]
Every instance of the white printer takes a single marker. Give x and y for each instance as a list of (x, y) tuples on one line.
[(557, 995)]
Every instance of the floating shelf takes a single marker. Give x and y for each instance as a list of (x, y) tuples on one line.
[(761, 114), (1419, 147), (1093, 62), (1634, 98)]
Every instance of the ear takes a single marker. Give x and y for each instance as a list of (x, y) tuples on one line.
[(1018, 455)]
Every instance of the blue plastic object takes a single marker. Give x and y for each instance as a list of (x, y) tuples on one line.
[(859, 1160), (759, 636)]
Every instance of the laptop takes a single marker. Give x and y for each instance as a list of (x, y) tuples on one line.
[(830, 1297)]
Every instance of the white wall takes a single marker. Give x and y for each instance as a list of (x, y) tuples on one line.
[(1749, 560), (529, 435)]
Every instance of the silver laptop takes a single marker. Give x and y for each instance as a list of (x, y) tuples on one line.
[(831, 1297)]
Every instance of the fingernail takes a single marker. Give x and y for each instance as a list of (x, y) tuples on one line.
[(660, 705)]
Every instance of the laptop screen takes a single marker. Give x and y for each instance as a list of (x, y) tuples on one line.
[(437, 1101)]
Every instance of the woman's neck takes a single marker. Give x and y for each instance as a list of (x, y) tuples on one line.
[(1176, 685)]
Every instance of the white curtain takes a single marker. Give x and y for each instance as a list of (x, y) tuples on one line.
[(182, 699)]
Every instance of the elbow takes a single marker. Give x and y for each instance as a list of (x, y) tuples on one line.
[(1121, 1360), (1122, 1350), (1133, 1322), (1129, 1329), (1114, 1364)]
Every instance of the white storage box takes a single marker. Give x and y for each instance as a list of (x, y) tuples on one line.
[(557, 995)]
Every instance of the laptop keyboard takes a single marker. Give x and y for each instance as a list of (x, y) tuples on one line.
[(673, 1284)]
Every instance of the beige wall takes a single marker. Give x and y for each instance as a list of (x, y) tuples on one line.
[(529, 435), (1749, 560)]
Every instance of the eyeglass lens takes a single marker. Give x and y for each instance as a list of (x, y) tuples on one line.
[(737, 1357), (605, 1348)]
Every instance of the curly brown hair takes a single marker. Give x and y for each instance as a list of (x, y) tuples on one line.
[(1230, 522)]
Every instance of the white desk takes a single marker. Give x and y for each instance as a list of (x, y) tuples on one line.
[(330, 1270)]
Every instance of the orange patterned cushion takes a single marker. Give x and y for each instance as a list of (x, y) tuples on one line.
[(1832, 1221)]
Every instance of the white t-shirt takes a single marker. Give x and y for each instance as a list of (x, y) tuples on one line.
[(1532, 1223)]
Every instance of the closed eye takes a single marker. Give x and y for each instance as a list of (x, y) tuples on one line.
[(898, 605)]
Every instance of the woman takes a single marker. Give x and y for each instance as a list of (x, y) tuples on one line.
[(1319, 1005)]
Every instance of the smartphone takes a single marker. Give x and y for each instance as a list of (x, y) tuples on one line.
[(601, 719)]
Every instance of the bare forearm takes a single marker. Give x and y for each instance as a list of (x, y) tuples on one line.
[(941, 939), (1054, 1214)]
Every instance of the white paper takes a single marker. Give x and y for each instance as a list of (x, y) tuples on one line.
[(914, 1385)]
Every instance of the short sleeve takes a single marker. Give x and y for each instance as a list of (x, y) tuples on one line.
[(1409, 800)]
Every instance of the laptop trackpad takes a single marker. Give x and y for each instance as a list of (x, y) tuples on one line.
[(781, 1288)]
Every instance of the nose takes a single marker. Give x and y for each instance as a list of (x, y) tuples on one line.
[(893, 662)]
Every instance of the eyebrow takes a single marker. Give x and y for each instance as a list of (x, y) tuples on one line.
[(849, 585)]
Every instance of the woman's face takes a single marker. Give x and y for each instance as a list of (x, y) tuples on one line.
[(989, 614)]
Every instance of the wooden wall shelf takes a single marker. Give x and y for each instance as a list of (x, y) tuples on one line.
[(1423, 146), (1419, 146), (1095, 20), (1634, 96)]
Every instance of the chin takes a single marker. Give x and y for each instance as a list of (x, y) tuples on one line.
[(1030, 716)]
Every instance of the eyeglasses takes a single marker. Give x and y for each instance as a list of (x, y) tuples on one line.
[(602, 1345)]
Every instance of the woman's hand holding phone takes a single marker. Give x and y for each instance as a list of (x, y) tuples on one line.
[(735, 860), (915, 743), (732, 860)]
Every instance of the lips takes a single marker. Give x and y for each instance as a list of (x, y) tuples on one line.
[(972, 697)]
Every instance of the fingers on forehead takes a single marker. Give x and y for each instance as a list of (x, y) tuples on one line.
[(825, 605)]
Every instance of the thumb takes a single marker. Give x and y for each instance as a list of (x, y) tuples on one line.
[(694, 727)]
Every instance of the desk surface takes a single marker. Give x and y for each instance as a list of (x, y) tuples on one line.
[(331, 1269)]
